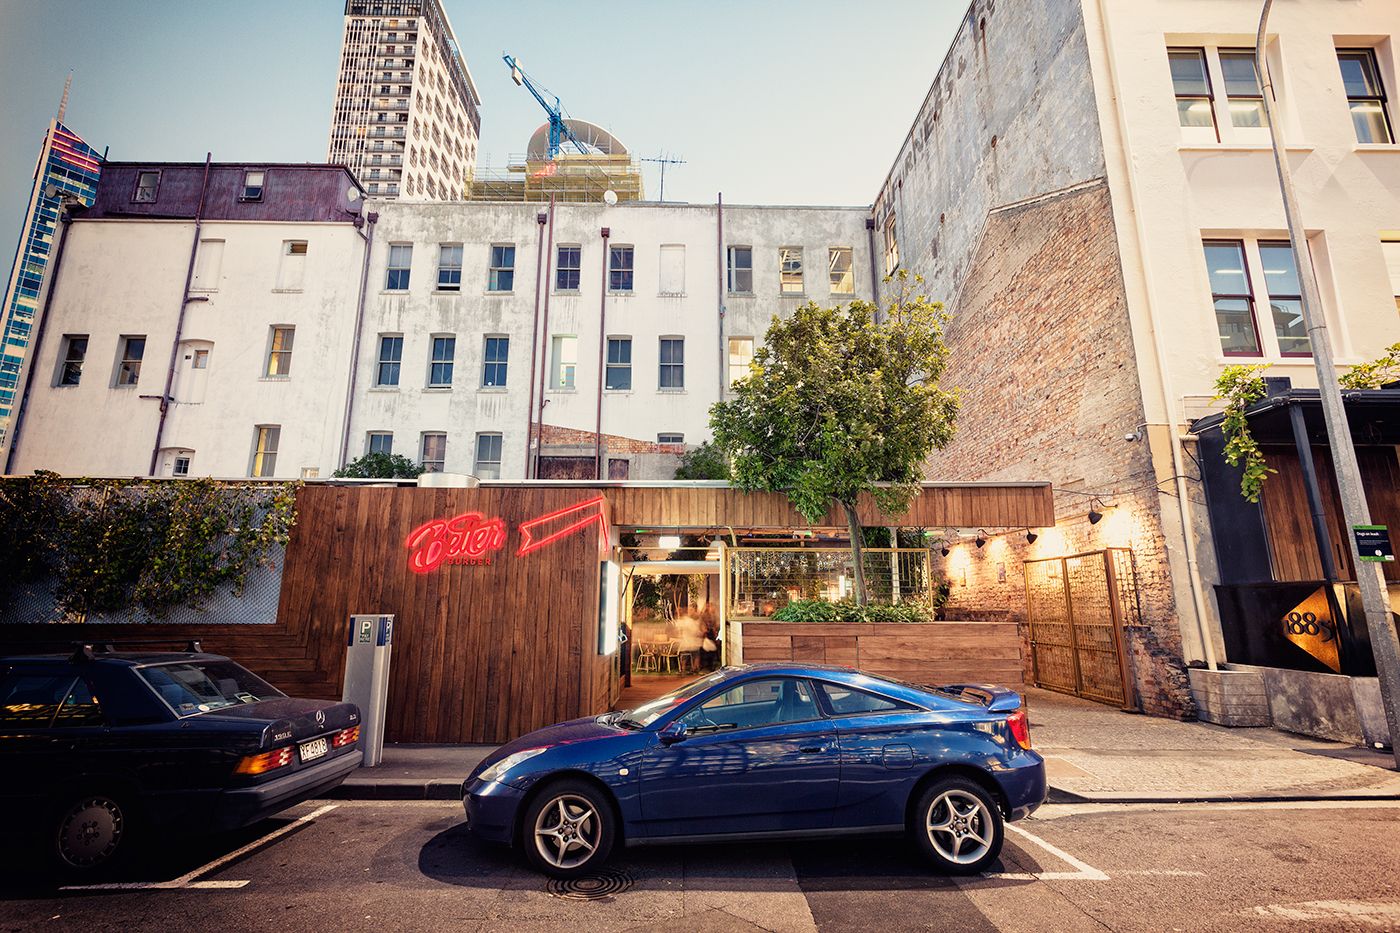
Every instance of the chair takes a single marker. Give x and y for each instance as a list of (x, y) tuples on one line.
[(670, 656)]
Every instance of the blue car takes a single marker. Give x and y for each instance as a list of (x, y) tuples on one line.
[(767, 752)]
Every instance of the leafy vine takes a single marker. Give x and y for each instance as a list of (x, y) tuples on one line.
[(1241, 387), (1375, 374)]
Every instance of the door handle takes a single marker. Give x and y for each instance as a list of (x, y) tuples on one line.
[(811, 749)]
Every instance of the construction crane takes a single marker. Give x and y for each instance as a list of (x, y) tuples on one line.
[(558, 129)]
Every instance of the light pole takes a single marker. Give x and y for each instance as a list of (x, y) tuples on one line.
[(1374, 598)]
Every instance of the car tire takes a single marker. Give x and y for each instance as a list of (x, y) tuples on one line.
[(568, 829), (957, 826), (93, 831)]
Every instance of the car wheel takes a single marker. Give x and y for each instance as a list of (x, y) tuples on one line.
[(92, 831), (569, 829), (957, 826)]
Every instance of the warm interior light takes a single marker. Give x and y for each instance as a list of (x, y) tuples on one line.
[(669, 542)]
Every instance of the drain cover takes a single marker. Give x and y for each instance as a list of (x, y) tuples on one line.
[(601, 884)]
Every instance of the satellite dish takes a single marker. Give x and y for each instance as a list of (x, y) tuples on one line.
[(609, 198), (51, 191), (353, 194)]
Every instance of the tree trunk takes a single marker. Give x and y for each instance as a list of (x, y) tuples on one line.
[(857, 545)]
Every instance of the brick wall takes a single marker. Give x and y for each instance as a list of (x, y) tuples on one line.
[(614, 445)]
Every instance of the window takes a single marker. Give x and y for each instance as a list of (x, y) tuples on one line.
[(440, 371), (672, 270), (1390, 249), (1234, 301), (1195, 73), (1285, 297), (449, 269), (488, 456), (891, 246), (1195, 105), (390, 356), (208, 265), (565, 355), (181, 467), (434, 452), (493, 373), (740, 270), (265, 449), (291, 271), (672, 363), (252, 186), (502, 269), (619, 374), (380, 442), (847, 701), (740, 358), (1237, 270), (400, 258), (133, 348), (753, 703), (566, 274), (843, 277), (75, 350), (201, 360), (279, 354), (1242, 88), (620, 269), (1365, 95), (670, 438), (790, 270), (147, 184)]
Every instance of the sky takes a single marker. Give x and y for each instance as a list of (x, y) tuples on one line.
[(766, 101)]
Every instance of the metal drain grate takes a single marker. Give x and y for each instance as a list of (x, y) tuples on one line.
[(603, 883)]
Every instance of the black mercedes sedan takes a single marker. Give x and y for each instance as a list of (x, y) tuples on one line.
[(103, 747)]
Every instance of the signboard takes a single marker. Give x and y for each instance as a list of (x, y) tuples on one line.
[(1310, 627), (470, 538), (1373, 542)]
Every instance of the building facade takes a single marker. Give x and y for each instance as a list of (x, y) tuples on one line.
[(406, 117)]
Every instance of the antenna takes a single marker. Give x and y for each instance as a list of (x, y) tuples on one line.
[(664, 160)]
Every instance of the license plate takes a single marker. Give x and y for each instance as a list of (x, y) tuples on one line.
[(314, 749)]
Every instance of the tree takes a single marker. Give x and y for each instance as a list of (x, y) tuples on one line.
[(704, 462), (839, 402), (379, 465)]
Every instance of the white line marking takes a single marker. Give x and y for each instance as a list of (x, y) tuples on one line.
[(188, 880), (1085, 872), (1374, 914)]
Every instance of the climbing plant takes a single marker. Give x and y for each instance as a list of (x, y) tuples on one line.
[(1240, 387), (1376, 373)]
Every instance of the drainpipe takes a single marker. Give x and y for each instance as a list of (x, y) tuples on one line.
[(544, 355), (719, 262), (602, 344), (540, 219), (180, 320), (874, 279), (373, 218)]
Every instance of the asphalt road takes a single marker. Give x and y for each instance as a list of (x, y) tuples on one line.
[(410, 866)]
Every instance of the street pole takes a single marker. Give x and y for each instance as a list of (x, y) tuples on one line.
[(1374, 598)]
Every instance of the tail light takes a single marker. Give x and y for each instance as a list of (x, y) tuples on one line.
[(267, 761), (346, 737), (1020, 728)]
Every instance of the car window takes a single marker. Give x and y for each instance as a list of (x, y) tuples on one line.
[(848, 701), (195, 687), (79, 708), (32, 699), (754, 703), (648, 713)]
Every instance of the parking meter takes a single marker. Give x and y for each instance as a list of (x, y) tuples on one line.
[(367, 679)]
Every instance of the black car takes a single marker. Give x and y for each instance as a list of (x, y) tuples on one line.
[(102, 746)]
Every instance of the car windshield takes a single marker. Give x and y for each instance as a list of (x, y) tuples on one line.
[(647, 713), (195, 687)]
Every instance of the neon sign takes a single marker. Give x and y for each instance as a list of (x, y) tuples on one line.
[(464, 539), (582, 519)]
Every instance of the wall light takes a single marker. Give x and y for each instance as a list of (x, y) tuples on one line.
[(1031, 536), (672, 542), (981, 538), (944, 550), (1096, 516)]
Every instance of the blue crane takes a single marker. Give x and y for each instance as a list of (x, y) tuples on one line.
[(558, 129)]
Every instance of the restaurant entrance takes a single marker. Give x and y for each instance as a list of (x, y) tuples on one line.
[(671, 617)]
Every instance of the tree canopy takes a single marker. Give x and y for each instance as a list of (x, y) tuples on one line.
[(378, 465), (840, 401)]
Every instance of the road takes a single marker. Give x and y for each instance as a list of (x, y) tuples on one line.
[(377, 865)]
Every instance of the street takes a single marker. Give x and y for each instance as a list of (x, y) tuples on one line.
[(410, 865)]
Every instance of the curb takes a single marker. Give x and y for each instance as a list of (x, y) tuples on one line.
[(1061, 796)]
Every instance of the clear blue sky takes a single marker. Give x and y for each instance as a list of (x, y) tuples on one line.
[(768, 101)]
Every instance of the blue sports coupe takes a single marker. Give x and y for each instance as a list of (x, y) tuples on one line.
[(767, 751)]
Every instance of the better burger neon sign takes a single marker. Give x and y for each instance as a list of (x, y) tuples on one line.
[(468, 539)]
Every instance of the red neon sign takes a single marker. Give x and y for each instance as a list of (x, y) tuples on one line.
[(464, 539), (578, 517)]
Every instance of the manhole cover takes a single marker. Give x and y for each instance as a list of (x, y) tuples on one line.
[(601, 884)]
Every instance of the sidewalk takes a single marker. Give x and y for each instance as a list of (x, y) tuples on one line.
[(1093, 753)]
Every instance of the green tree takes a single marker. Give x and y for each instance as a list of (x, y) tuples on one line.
[(841, 401), (379, 465), (704, 462), (1376, 373)]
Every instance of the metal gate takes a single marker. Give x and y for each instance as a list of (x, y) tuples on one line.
[(1077, 607)]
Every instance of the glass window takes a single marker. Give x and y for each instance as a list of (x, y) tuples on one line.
[(843, 277), (497, 356), (434, 452), (400, 259), (390, 357), (78, 709), (891, 246), (751, 704), (502, 269), (381, 442), (848, 701), (265, 455), (790, 263), (147, 183), (488, 456), (73, 357), (1234, 303), (567, 274), (670, 438), (181, 467), (740, 270), (740, 358), (1285, 297), (1191, 82), (672, 363), (449, 269), (619, 374), (252, 186), (565, 366), (32, 700), (279, 356), (1242, 88), (201, 360), (133, 348), (197, 687), (440, 371), (1365, 95), (620, 269)]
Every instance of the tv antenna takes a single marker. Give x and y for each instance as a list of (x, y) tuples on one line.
[(664, 160)]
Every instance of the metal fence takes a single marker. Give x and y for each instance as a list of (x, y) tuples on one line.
[(1077, 607)]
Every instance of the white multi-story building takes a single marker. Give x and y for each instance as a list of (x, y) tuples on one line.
[(405, 120)]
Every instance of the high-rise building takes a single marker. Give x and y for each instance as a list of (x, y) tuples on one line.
[(406, 119)]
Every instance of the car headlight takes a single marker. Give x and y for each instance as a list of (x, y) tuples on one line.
[(498, 770)]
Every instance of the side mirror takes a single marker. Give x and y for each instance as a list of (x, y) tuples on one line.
[(672, 732)]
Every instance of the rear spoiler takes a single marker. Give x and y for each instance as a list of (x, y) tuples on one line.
[(996, 699)]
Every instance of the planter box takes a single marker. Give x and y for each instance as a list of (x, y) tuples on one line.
[(1230, 698)]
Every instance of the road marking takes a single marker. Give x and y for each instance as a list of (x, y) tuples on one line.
[(1085, 872), (1379, 915), (188, 880)]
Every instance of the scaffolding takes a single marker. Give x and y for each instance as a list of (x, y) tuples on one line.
[(569, 177)]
